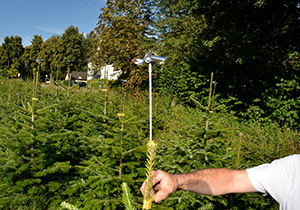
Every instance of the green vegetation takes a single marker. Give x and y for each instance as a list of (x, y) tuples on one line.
[(128, 22), (76, 146), (62, 148), (251, 46), (54, 54)]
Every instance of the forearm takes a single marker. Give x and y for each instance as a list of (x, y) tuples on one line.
[(214, 181)]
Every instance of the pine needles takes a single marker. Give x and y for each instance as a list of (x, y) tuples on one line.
[(68, 206), (127, 199), (151, 146)]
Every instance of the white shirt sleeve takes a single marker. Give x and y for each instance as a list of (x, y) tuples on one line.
[(278, 178)]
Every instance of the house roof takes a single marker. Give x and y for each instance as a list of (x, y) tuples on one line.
[(78, 75)]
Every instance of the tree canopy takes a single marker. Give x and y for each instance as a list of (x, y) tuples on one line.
[(124, 33), (10, 53), (31, 55), (57, 53), (245, 43), (251, 46)]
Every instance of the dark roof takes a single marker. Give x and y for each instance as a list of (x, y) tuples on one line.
[(78, 75)]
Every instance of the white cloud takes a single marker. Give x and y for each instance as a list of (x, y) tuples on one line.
[(49, 29)]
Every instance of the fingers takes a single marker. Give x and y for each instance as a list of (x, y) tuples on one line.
[(142, 188), (161, 195), (163, 183), (157, 187), (157, 177)]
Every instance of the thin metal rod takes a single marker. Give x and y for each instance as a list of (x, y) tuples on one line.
[(150, 100)]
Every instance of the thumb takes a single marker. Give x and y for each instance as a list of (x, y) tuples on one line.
[(161, 195)]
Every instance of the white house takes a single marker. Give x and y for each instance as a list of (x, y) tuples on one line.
[(105, 72)]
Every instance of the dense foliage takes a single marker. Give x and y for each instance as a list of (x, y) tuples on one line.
[(56, 55), (79, 145), (71, 147), (129, 23), (252, 46)]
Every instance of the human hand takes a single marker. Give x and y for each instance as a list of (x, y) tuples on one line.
[(164, 183)]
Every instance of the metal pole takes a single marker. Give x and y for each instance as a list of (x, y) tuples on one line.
[(37, 73), (150, 99), (69, 76)]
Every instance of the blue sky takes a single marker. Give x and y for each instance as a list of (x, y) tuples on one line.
[(26, 18)]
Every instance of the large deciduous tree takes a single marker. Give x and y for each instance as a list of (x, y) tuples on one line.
[(123, 33), (248, 43), (72, 46), (245, 43), (31, 55), (11, 52), (50, 52), (61, 52), (180, 32)]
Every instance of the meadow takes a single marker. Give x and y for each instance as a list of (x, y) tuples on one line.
[(79, 145)]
